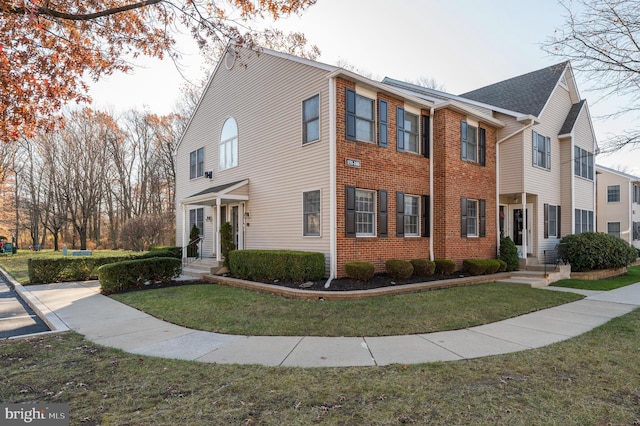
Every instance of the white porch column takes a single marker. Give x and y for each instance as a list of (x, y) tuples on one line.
[(216, 231), (525, 228)]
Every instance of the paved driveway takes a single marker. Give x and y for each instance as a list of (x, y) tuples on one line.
[(16, 317)]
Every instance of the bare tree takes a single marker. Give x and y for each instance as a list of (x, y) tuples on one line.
[(429, 83), (602, 40)]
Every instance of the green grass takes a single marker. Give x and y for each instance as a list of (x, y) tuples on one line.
[(18, 264), (232, 310), (592, 379), (631, 277)]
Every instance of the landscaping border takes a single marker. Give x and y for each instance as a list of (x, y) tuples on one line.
[(294, 293)]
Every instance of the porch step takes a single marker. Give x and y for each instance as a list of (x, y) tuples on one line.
[(528, 281), (201, 267)]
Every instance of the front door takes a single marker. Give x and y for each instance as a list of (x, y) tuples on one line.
[(521, 223)]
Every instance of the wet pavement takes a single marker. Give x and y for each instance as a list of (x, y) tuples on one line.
[(16, 317)]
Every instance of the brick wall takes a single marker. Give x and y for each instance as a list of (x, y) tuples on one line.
[(393, 171)]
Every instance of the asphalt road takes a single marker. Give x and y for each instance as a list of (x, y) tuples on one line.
[(16, 317)]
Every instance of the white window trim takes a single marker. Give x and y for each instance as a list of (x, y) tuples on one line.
[(319, 215), (197, 176), (477, 218), (554, 228), (319, 121), (227, 142), (418, 216), (475, 125), (619, 194), (374, 213), (619, 229), (372, 96)]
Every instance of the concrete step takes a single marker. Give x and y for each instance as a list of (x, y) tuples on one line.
[(530, 282), (201, 267)]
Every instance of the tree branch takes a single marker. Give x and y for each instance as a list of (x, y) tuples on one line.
[(44, 10)]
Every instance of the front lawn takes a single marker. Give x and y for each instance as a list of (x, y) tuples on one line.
[(224, 309), (631, 277), (592, 379)]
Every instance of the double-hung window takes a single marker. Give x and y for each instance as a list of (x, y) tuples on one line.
[(636, 194), (583, 163), (613, 194), (311, 213), (196, 163), (552, 220), (613, 228), (360, 117), (636, 231), (408, 131), (583, 221), (411, 215), (541, 151), (311, 119), (473, 143), (472, 217), (228, 155), (365, 213)]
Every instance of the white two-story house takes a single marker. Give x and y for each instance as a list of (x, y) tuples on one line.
[(618, 204)]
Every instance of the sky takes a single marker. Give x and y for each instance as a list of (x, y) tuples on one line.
[(462, 44)]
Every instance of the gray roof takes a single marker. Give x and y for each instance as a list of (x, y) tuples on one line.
[(215, 189), (526, 93), (570, 121)]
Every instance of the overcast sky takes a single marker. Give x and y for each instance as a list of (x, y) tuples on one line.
[(462, 44)]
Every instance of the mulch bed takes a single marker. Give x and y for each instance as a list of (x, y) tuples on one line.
[(347, 284)]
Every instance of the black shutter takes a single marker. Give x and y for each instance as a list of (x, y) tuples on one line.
[(350, 211), (546, 220), (463, 140), (383, 218), (426, 216), (351, 115), (426, 134), (383, 123), (483, 146), (559, 220), (483, 217), (399, 128), (463, 216), (399, 214)]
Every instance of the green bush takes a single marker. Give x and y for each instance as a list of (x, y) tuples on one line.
[(595, 250), (56, 270), (194, 239), (176, 251), (509, 254), (360, 271), (423, 267), (157, 253), (503, 265), (445, 266), (398, 269), (298, 266), (137, 273), (480, 266), (226, 242)]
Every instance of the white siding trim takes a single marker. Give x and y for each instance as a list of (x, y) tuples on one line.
[(333, 202)]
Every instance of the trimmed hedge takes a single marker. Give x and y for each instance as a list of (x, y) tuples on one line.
[(445, 266), (503, 265), (480, 266), (398, 269), (423, 267), (157, 253), (137, 273), (298, 266), (175, 250), (68, 268), (595, 250), (360, 271)]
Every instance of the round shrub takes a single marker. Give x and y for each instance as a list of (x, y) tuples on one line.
[(503, 265), (398, 269), (509, 254), (360, 271), (423, 267), (480, 266), (445, 266), (595, 250)]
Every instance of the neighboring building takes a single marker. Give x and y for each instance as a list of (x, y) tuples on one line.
[(618, 204), (545, 155), (300, 155)]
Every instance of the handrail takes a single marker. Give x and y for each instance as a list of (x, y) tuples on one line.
[(194, 246)]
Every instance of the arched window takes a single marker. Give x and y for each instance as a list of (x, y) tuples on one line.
[(228, 145)]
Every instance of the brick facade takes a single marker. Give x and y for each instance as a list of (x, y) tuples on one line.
[(384, 168)]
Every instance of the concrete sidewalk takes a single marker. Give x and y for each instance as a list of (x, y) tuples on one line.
[(80, 307)]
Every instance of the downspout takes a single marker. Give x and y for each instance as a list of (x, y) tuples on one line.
[(522, 129), (431, 155), (333, 214)]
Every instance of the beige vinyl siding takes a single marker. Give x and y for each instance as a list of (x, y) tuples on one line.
[(510, 154), (566, 190), (264, 94), (614, 212)]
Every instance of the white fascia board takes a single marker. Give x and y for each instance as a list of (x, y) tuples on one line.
[(457, 106)]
